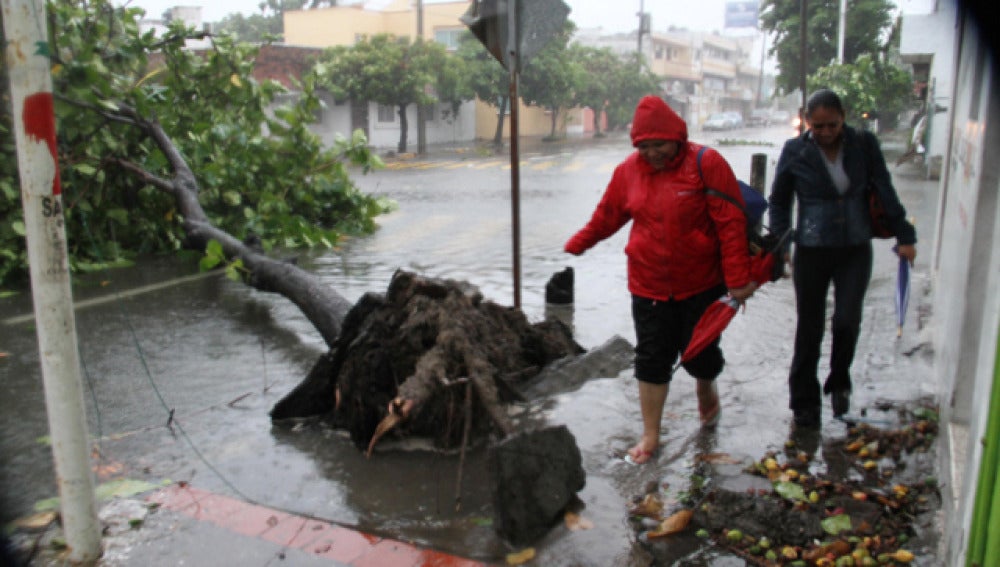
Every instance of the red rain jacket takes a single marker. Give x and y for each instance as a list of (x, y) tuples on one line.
[(682, 242)]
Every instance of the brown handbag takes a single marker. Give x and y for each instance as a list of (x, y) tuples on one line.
[(879, 220)]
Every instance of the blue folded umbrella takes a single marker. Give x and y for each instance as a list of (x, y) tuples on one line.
[(902, 293)]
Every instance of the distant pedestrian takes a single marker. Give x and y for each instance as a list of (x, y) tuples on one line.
[(827, 171), (684, 251)]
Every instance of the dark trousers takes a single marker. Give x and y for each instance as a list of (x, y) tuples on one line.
[(849, 268)]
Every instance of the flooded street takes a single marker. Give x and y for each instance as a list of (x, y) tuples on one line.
[(182, 368)]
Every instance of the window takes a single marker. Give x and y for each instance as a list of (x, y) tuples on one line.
[(430, 112), (449, 37), (386, 113)]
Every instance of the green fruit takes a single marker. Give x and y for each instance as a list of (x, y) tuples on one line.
[(754, 550), (702, 533), (771, 555), (734, 536), (764, 543)]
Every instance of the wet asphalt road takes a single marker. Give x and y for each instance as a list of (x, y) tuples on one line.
[(219, 356)]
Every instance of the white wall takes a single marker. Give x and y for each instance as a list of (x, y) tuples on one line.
[(334, 119), (966, 303), (446, 127)]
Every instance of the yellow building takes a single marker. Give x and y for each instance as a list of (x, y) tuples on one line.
[(346, 25)]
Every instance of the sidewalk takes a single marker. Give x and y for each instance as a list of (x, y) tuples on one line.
[(183, 525), (484, 148)]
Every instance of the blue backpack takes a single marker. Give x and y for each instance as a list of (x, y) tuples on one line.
[(761, 242), (756, 204)]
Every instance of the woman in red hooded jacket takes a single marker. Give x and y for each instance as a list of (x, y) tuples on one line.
[(684, 251)]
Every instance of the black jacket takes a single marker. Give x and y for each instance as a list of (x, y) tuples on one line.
[(825, 217)]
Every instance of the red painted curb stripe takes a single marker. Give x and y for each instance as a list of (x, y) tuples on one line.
[(314, 536)]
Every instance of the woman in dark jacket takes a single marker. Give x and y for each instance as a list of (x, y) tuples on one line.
[(827, 170)]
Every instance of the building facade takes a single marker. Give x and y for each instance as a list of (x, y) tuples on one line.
[(700, 73), (346, 25)]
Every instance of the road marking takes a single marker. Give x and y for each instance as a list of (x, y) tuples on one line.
[(542, 166), (77, 305), (486, 164)]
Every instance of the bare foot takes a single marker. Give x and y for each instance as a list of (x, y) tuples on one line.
[(641, 453)]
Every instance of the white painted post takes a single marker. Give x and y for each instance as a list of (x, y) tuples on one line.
[(35, 134), (841, 31)]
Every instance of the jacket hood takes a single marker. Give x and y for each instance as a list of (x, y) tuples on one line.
[(654, 120)]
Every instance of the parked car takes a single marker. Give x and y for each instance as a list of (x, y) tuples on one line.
[(723, 121), (759, 117), (735, 119), (782, 118), (717, 121)]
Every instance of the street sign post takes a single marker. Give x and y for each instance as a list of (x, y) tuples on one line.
[(512, 31)]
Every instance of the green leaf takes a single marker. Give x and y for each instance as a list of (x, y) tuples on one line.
[(836, 524), (18, 228), (232, 198), (85, 169), (118, 215), (790, 490), (214, 248), (208, 262)]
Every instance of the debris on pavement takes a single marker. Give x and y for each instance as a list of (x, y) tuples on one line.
[(861, 509)]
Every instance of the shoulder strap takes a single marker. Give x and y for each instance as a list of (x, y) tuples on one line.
[(715, 192)]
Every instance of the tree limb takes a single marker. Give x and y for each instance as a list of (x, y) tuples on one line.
[(145, 176), (323, 306)]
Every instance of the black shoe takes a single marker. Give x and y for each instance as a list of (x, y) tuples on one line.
[(807, 418), (841, 402)]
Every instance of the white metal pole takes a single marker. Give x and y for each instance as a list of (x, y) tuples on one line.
[(841, 30), (35, 135)]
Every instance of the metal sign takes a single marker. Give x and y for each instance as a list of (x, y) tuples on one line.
[(741, 14), (537, 22)]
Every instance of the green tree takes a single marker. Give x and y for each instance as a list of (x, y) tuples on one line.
[(552, 77), (131, 132), (595, 91), (867, 22), (611, 83), (867, 85), (487, 78), (392, 71), (253, 28), (630, 81)]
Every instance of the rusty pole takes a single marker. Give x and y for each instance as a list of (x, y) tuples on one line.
[(515, 158)]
